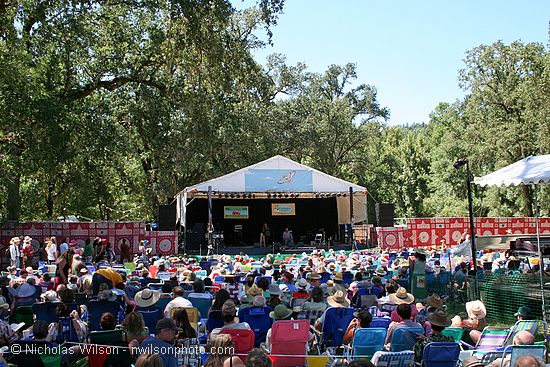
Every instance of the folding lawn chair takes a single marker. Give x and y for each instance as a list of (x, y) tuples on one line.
[(259, 320), (538, 351), (531, 326), (289, 337), (243, 341), (394, 359), (380, 322), (366, 342), (454, 332), (492, 337), (444, 354), (335, 324), (310, 315), (405, 338), (97, 308)]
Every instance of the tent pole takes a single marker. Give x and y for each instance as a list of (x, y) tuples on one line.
[(184, 223), (352, 234), (541, 260)]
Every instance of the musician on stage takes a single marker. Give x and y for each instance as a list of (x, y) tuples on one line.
[(265, 234), (288, 240)]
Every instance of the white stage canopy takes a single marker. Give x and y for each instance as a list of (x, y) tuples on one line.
[(530, 170), (280, 174)]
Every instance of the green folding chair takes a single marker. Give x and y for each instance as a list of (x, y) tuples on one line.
[(454, 332), (24, 314)]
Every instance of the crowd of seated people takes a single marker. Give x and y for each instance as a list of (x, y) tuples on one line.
[(157, 302)]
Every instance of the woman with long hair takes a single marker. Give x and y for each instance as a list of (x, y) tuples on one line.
[(221, 349), (186, 338), (219, 300), (51, 252), (134, 326)]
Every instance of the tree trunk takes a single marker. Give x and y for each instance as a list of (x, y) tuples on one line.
[(13, 201), (49, 200), (528, 195)]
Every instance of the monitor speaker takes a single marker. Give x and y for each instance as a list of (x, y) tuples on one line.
[(167, 217), (384, 215)]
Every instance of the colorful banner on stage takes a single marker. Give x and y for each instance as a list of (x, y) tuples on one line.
[(263, 180), (283, 209), (235, 212)]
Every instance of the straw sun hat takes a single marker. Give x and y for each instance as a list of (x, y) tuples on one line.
[(476, 309), (146, 297), (402, 296), (338, 300)]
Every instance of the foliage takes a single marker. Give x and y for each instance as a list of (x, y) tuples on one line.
[(110, 108)]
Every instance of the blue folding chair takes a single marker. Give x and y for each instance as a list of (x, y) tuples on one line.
[(202, 304), (380, 322), (310, 315), (347, 277), (405, 338), (443, 354), (150, 316), (325, 277), (396, 359), (368, 297), (46, 311), (67, 332), (537, 351), (367, 341), (259, 320), (97, 308), (214, 320), (335, 324)]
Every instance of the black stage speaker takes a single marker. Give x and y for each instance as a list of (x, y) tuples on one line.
[(167, 217), (384, 215)]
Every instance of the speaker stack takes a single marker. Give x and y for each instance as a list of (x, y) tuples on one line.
[(384, 215), (167, 217)]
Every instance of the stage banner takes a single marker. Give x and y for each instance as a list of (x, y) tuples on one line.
[(283, 209), (235, 212), (262, 180)]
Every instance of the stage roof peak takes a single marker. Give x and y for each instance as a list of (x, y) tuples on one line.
[(276, 174)]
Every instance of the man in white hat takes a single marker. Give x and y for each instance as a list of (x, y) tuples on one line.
[(15, 253)]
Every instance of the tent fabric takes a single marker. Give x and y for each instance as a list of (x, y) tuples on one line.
[(359, 212), (276, 174), (279, 174), (530, 170)]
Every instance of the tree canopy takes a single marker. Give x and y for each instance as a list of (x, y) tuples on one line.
[(109, 108)]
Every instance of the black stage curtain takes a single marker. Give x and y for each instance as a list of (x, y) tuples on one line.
[(312, 215)]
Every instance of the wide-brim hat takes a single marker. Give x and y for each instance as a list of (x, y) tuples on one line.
[(338, 300), (27, 239), (376, 280), (25, 290), (381, 272), (254, 291), (314, 276), (476, 309), (401, 296), (146, 297), (338, 277), (274, 290), (280, 312), (434, 301), (302, 284), (439, 318), (50, 296)]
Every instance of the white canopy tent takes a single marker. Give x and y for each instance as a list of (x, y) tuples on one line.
[(279, 174), (529, 170)]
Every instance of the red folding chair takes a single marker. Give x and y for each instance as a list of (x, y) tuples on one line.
[(243, 340), (289, 337)]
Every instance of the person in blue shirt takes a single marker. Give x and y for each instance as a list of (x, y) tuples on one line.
[(163, 343)]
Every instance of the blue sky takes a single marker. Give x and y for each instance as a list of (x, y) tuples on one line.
[(410, 50)]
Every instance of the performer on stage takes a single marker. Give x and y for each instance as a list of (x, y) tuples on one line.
[(265, 234), (288, 240)]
